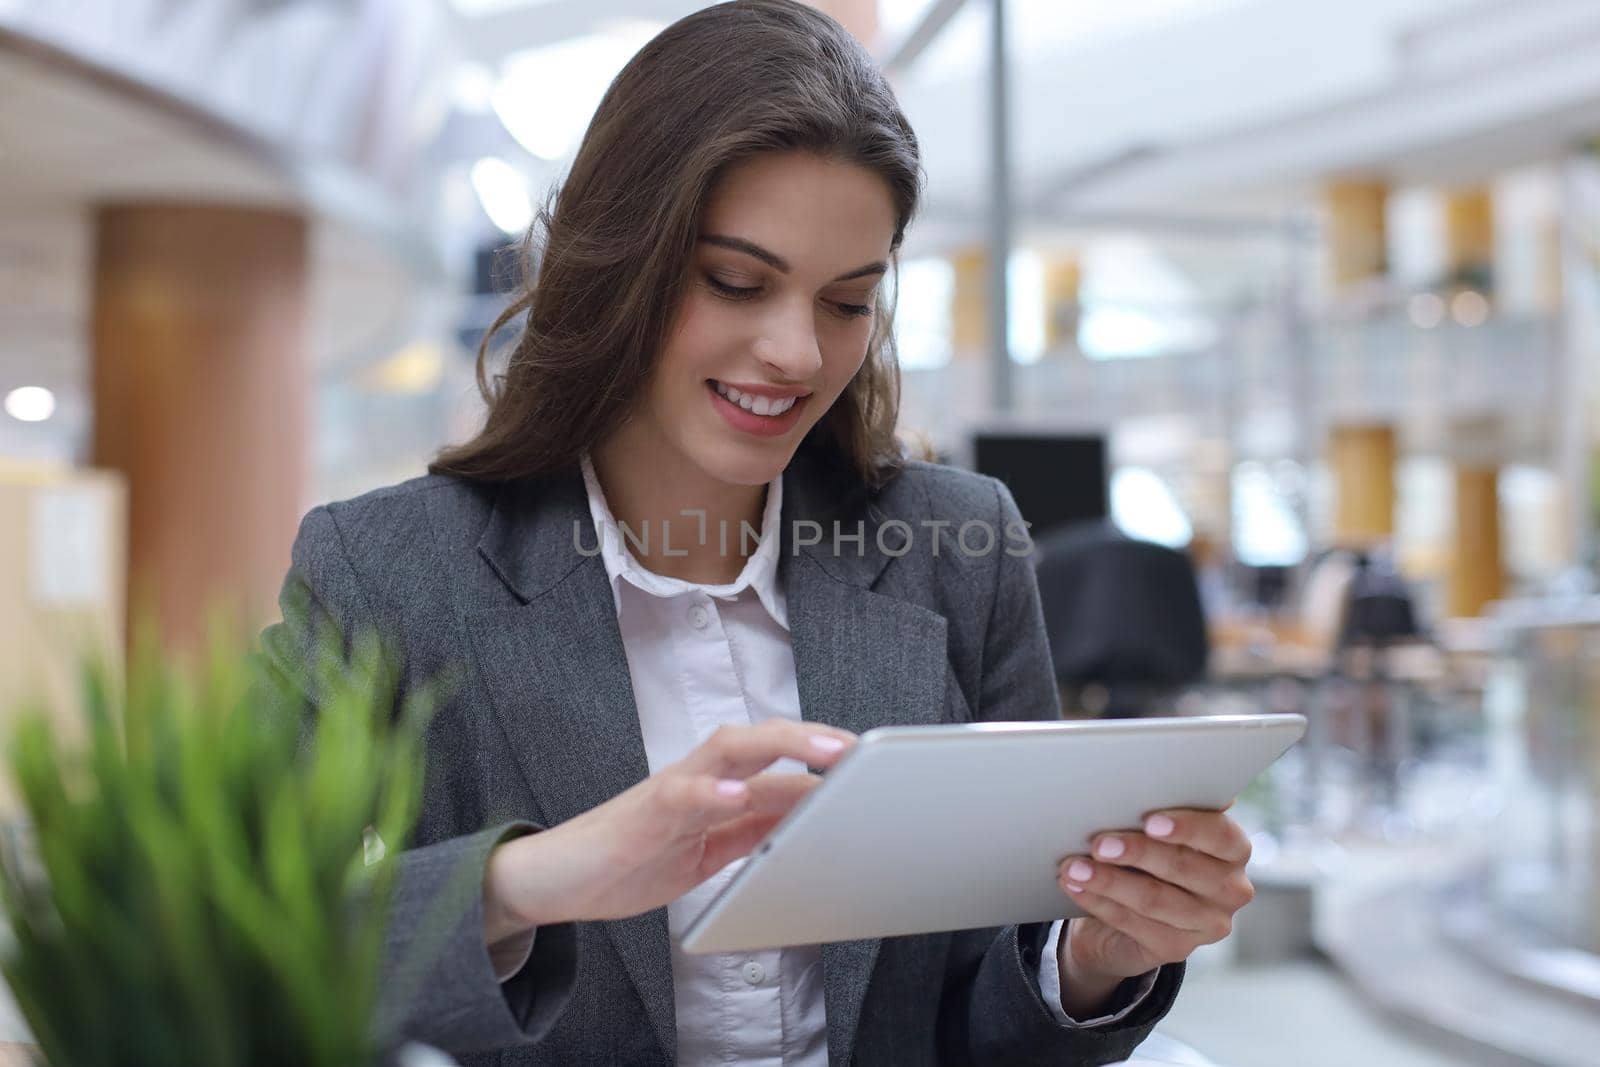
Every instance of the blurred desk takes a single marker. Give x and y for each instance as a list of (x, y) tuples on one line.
[(14, 1055), (1247, 650), (1240, 664), (1375, 711)]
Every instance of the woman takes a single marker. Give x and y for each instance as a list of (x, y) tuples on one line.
[(704, 356)]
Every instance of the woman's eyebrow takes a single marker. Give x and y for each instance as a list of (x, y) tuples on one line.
[(777, 262)]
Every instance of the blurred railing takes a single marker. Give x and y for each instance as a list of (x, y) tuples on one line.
[(1544, 709), (1378, 368)]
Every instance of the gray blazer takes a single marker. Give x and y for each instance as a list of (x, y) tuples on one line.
[(542, 726)]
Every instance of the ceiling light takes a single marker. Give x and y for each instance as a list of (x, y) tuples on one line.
[(472, 88), (30, 403), (415, 370), (503, 193), (548, 95)]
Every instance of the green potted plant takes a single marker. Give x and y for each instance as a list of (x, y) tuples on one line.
[(200, 880)]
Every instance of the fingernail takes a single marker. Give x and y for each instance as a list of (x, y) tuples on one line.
[(1159, 826), (1110, 848), (823, 743), (1080, 871), (1074, 888), (728, 787)]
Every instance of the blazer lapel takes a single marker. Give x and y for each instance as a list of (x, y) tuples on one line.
[(558, 683), (862, 659)]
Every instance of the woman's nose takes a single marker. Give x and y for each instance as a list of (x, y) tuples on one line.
[(789, 347)]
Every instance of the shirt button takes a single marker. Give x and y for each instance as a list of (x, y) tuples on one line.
[(754, 973), (697, 617)]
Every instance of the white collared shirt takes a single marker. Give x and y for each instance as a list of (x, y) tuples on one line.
[(702, 656)]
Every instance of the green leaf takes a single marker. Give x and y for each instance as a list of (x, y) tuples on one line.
[(191, 887)]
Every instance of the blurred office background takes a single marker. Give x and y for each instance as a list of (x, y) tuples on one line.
[(1281, 316)]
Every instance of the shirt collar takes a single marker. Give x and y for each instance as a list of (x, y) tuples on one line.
[(760, 571)]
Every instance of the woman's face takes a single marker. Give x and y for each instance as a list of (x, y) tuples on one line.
[(778, 309)]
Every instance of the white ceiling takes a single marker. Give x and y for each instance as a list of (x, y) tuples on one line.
[(1453, 99), (1117, 103), (1236, 105), (76, 138)]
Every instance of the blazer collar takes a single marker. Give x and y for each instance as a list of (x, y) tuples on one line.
[(541, 529), (535, 531), (759, 573)]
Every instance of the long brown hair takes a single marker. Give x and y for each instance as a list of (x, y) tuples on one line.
[(604, 267)]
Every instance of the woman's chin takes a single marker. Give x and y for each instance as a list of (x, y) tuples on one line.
[(745, 466)]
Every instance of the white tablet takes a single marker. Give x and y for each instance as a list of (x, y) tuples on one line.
[(927, 828)]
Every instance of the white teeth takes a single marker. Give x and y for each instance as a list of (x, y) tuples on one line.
[(758, 405)]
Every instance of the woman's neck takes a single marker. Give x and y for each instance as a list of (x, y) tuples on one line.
[(669, 505)]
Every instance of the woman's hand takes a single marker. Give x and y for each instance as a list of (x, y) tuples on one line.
[(1152, 897), (666, 835)]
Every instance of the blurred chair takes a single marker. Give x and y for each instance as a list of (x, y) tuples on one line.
[(1126, 628), (1362, 613), (1378, 610), (1379, 616)]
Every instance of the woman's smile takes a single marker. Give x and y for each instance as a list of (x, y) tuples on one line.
[(764, 415)]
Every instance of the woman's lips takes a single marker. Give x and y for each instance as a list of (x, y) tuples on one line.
[(751, 423)]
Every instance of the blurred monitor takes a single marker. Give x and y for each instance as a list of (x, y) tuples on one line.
[(1057, 479)]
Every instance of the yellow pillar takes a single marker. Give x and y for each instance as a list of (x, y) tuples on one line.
[(1357, 230), (969, 311), (1477, 572), (1363, 460), (1477, 575), (1469, 236), (1548, 270), (201, 402), (1063, 278)]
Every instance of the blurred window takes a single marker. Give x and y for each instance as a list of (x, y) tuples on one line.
[(1266, 530), (1144, 507), (922, 311)]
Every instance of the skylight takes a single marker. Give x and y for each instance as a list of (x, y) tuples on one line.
[(546, 96)]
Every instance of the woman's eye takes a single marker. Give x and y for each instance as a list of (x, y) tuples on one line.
[(744, 292), (732, 292)]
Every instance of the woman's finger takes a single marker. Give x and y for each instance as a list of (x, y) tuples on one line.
[(740, 751), (1167, 944), (776, 793), (695, 801), (1144, 895), (1210, 832), (1203, 875), (691, 803)]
